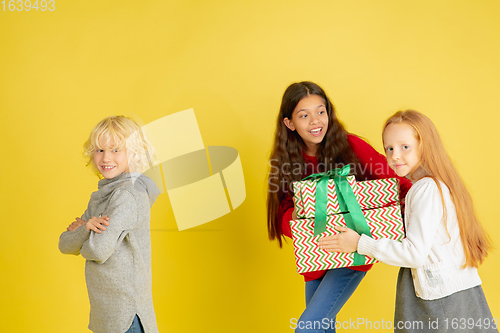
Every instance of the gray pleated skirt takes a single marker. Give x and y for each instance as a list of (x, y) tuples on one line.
[(463, 311)]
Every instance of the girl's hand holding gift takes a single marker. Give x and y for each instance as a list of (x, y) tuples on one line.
[(97, 223), (75, 225), (346, 241)]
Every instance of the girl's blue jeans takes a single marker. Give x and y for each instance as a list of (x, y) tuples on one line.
[(136, 326), (325, 297)]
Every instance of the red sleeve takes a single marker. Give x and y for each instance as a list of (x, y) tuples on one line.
[(374, 165), (285, 215)]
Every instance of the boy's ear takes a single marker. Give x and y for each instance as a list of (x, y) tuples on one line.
[(288, 123)]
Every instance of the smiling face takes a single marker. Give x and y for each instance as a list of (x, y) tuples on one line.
[(310, 120), (110, 162), (401, 148)]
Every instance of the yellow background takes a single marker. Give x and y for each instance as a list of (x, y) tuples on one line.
[(63, 71)]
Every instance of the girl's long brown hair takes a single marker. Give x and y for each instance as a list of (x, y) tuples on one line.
[(286, 161), (436, 164)]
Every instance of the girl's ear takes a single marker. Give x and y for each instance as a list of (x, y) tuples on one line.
[(288, 123)]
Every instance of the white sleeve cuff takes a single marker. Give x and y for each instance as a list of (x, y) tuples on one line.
[(367, 246)]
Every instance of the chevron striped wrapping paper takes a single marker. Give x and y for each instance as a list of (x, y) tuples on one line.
[(369, 194), (385, 222)]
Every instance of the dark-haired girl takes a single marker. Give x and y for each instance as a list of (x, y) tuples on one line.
[(310, 139)]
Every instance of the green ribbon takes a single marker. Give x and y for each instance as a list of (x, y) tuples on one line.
[(353, 215)]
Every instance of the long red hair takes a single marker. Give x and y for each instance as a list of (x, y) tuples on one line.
[(436, 164)]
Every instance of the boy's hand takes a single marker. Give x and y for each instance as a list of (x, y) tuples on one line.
[(97, 224), (346, 241), (75, 225)]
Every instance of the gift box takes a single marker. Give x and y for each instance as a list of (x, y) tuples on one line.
[(326, 200), (383, 222), (369, 194)]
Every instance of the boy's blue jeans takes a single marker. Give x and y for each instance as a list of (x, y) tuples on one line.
[(136, 326), (325, 297)]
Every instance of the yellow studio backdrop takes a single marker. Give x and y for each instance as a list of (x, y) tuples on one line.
[(62, 71)]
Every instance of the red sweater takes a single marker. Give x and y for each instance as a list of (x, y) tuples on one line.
[(374, 166)]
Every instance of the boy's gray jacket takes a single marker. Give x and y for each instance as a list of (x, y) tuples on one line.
[(118, 266)]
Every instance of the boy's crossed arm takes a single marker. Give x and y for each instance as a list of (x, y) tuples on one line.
[(95, 223), (71, 241), (76, 224), (98, 246), (123, 214)]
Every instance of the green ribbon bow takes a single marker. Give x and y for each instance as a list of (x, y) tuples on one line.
[(353, 215)]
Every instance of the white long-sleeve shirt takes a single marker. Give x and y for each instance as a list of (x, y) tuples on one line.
[(431, 249)]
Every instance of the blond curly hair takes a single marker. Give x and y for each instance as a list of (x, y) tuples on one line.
[(124, 133)]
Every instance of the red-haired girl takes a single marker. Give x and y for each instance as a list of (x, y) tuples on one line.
[(310, 139), (438, 284)]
